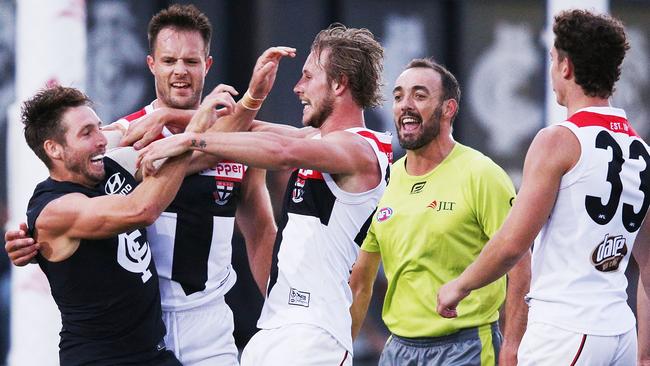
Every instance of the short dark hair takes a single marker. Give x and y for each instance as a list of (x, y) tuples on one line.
[(42, 116), (355, 54), (180, 17), (596, 45), (450, 86)]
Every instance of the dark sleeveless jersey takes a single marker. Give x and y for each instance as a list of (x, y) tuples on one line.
[(191, 240), (107, 291)]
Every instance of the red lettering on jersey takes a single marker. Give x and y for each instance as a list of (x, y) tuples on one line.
[(612, 123), (227, 171)]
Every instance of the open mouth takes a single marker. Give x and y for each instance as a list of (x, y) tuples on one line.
[(97, 160), (410, 123), (305, 105), (180, 85)]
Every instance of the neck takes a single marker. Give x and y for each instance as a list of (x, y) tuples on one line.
[(429, 156), (158, 103), (344, 116), (577, 100), (63, 175)]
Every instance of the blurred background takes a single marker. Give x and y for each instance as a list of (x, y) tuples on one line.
[(497, 49)]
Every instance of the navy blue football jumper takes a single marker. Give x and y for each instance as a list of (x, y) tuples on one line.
[(107, 291)]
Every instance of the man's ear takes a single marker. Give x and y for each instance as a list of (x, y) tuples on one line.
[(449, 108), (53, 149), (341, 85), (566, 68), (150, 63)]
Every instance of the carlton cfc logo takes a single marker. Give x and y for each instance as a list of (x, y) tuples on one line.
[(134, 254), (384, 214)]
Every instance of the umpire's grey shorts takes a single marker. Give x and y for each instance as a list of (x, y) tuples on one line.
[(469, 347)]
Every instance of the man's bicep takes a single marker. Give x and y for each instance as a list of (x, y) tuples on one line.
[(78, 216), (337, 153)]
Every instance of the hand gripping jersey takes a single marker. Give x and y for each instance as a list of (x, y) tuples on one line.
[(318, 241), (107, 291), (192, 240), (580, 255)]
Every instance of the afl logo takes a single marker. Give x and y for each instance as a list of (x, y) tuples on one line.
[(384, 214)]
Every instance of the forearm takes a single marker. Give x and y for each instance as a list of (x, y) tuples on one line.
[(516, 309), (643, 317), (270, 150), (156, 192), (493, 263), (362, 280), (259, 261), (359, 308)]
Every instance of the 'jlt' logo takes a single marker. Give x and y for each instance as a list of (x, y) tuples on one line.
[(441, 205), (607, 256)]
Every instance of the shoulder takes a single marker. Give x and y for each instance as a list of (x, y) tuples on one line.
[(476, 163), (555, 145)]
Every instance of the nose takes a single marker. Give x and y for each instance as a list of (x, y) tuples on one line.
[(297, 89), (102, 141), (180, 68), (404, 104)]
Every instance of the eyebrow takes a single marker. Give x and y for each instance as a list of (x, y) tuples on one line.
[(415, 88)]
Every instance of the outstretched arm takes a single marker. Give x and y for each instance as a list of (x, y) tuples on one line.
[(230, 117), (254, 218), (78, 216), (273, 151), (552, 153)]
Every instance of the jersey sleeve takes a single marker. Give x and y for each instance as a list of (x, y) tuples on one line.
[(370, 243), (494, 194)]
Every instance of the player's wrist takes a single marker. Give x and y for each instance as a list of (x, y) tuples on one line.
[(251, 102), (194, 141)]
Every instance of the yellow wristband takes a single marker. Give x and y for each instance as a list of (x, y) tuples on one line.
[(250, 103)]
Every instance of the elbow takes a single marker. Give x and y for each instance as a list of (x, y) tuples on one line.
[(513, 249), (361, 289), (147, 214), (286, 155)]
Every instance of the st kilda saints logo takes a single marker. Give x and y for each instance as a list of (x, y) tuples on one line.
[(133, 255), (609, 253), (223, 192), (298, 190)]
